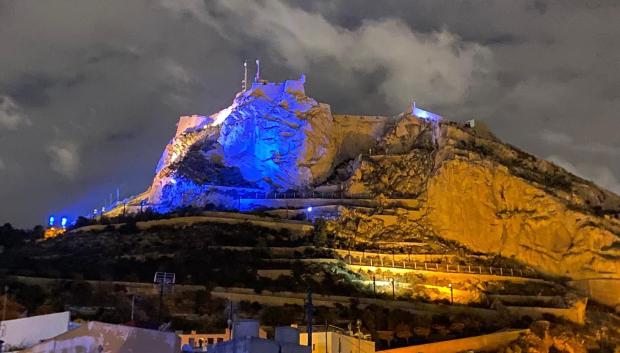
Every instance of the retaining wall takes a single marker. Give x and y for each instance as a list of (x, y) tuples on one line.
[(490, 342), (603, 290)]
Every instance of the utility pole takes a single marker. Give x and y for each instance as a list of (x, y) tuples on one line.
[(165, 281), (309, 309), (133, 302), (326, 336), (229, 322), (6, 295), (359, 336), (161, 302)]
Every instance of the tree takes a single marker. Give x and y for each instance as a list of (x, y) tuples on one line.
[(319, 236), (31, 297), (82, 292)]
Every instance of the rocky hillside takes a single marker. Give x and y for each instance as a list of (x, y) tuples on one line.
[(494, 198), (467, 185)]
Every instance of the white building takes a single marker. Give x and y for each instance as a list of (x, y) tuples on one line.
[(332, 341), (26, 332), (245, 339)]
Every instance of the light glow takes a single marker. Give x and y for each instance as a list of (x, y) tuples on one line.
[(220, 116)]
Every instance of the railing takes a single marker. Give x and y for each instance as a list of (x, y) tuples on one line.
[(317, 195), (301, 195), (438, 267)]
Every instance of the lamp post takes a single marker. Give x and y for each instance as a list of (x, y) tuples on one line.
[(308, 210), (451, 293), (393, 289), (133, 303), (374, 286)]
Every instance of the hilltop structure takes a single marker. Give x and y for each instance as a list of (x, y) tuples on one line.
[(392, 177)]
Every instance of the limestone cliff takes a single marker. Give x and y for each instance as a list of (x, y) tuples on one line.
[(494, 198), (467, 185)]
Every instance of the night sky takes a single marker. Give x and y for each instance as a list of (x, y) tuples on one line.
[(90, 91)]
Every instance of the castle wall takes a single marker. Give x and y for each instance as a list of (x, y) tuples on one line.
[(357, 134), (191, 122)]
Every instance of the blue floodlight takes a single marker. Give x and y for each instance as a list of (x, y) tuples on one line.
[(51, 221), (310, 209), (63, 222)]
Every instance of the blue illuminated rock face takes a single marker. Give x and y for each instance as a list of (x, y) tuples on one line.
[(272, 138), (278, 138)]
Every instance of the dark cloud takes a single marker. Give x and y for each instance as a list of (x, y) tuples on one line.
[(30, 89), (121, 136), (90, 90)]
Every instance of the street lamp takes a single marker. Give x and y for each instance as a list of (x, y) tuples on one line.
[(393, 289), (451, 293), (309, 209)]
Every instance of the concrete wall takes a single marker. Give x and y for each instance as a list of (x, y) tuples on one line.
[(488, 342), (215, 217), (293, 227), (424, 114), (281, 298), (26, 332), (603, 290), (575, 314)]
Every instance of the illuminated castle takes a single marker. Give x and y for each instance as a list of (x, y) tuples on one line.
[(271, 138)]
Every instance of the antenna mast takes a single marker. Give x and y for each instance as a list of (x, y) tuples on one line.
[(244, 83), (257, 78)]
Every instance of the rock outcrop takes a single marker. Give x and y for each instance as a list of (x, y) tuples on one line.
[(494, 198), (468, 186)]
